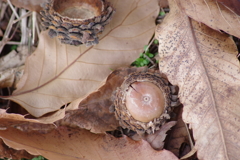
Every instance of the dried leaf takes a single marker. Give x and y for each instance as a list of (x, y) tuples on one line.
[(202, 62), (178, 136), (56, 74), (93, 112), (213, 14), (14, 58), (9, 77), (73, 144), (156, 140)]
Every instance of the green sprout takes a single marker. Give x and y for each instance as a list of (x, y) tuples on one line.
[(144, 58)]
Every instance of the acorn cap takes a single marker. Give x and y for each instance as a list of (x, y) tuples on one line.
[(76, 22), (143, 102)]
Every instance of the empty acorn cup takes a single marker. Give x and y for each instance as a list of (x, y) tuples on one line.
[(76, 22)]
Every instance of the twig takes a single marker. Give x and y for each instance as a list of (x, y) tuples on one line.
[(13, 9), (7, 32), (189, 136), (34, 20), (24, 16)]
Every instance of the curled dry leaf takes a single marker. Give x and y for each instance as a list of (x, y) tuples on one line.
[(14, 58), (56, 74), (156, 140), (64, 143), (178, 136), (213, 14), (203, 63), (9, 77)]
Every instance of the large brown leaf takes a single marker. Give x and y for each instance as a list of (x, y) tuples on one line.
[(203, 63), (213, 14), (63, 143), (56, 74)]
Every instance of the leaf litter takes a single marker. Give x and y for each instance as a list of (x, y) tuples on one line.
[(195, 111)]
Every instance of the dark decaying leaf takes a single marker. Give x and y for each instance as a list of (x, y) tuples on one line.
[(156, 140), (178, 137), (63, 143), (232, 4)]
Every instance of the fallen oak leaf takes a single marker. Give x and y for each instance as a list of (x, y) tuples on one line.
[(213, 14), (56, 74), (202, 62)]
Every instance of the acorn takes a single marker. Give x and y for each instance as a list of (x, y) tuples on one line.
[(144, 102), (76, 22)]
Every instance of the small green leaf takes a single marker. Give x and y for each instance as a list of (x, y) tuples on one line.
[(146, 49), (155, 41), (162, 13), (13, 47)]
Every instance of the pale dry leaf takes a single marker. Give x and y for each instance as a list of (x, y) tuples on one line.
[(10, 77), (14, 58), (213, 14), (56, 74), (73, 144), (94, 111), (203, 63)]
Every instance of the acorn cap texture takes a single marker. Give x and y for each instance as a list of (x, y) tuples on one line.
[(154, 93), (76, 22)]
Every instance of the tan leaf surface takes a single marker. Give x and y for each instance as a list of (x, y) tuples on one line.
[(73, 144), (56, 74), (213, 14), (202, 62), (93, 112)]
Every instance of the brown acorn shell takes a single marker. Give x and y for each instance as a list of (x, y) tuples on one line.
[(126, 120), (76, 30)]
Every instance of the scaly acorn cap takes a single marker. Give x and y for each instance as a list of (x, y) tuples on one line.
[(144, 102), (76, 22)]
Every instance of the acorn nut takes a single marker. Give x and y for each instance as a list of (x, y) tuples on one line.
[(143, 102), (80, 21)]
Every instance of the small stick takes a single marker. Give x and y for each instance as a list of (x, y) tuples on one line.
[(13, 9)]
